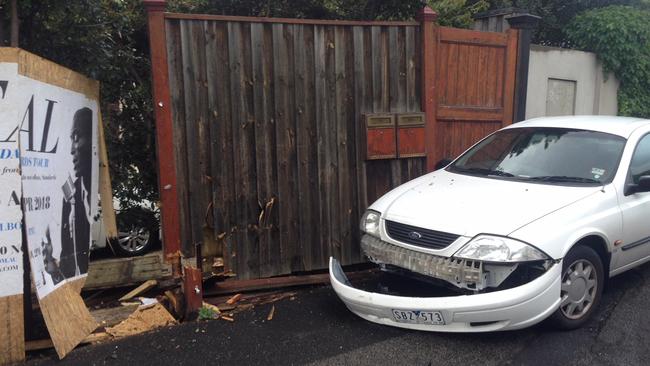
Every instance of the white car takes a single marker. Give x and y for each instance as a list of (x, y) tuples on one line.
[(527, 224)]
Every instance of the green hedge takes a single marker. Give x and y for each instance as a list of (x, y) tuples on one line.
[(620, 36)]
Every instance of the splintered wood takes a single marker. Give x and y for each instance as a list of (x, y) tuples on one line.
[(148, 285), (233, 300), (12, 339), (67, 318), (143, 320)]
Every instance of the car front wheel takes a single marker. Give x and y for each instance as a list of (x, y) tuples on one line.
[(581, 289)]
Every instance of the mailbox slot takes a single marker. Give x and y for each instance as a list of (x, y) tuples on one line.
[(410, 135), (380, 136)]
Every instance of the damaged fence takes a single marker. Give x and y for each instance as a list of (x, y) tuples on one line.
[(265, 123)]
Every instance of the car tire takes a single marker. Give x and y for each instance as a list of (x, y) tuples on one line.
[(582, 285), (137, 232)]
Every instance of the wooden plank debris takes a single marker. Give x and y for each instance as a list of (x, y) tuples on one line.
[(146, 286), (271, 313), (233, 299), (110, 317), (174, 301), (126, 271)]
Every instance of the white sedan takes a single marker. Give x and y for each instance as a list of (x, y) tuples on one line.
[(527, 224)]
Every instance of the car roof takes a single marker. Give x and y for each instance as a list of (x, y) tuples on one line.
[(621, 126)]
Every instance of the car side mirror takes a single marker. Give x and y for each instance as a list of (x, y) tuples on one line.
[(442, 163), (642, 186)]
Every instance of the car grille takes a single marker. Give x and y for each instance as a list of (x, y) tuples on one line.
[(427, 238)]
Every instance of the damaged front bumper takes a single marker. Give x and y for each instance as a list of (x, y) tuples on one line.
[(509, 309)]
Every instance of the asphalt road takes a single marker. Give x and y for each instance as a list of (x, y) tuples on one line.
[(317, 329)]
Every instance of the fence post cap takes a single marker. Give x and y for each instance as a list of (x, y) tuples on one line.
[(523, 20), (427, 14), (154, 5)]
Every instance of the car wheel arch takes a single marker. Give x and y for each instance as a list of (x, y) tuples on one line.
[(600, 245)]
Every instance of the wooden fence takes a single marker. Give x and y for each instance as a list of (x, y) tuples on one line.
[(265, 117)]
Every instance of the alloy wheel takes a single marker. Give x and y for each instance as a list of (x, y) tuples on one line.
[(134, 240), (579, 288)]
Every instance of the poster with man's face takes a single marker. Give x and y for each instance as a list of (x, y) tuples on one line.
[(57, 135), (11, 256)]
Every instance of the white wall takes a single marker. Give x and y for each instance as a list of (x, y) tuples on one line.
[(577, 84)]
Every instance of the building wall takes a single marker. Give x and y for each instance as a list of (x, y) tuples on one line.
[(563, 81)]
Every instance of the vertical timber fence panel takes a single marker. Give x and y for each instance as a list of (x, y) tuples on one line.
[(268, 123), (269, 117)]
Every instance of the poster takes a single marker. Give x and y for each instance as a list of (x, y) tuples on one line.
[(11, 256), (57, 135)]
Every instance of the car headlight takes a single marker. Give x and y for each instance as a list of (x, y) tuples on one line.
[(499, 249), (370, 223)]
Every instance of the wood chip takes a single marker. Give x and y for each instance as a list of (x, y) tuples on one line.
[(227, 318), (226, 307), (233, 299), (270, 317), (143, 320), (147, 285)]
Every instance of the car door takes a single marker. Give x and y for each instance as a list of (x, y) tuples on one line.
[(635, 208)]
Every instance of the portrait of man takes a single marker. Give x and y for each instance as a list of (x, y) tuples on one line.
[(75, 215)]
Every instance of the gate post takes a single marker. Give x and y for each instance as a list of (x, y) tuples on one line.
[(429, 37), (524, 23), (164, 131)]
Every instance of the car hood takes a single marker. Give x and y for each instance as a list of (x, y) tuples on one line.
[(468, 205)]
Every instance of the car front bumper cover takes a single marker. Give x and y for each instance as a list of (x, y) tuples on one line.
[(509, 309)]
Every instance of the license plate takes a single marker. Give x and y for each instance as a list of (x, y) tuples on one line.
[(418, 317)]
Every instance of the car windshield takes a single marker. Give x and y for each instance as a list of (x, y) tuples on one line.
[(546, 155)]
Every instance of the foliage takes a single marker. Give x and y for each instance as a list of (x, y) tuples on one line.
[(206, 313), (457, 13), (556, 14), (620, 35), (106, 40)]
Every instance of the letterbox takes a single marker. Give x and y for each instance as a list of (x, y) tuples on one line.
[(410, 135), (380, 139)]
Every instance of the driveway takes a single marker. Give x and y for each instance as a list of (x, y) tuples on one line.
[(317, 329)]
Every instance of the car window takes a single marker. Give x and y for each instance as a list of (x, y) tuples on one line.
[(640, 164), (547, 155)]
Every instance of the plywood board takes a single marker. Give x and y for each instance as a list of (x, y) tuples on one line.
[(12, 338), (57, 110), (11, 255), (38, 68), (67, 318)]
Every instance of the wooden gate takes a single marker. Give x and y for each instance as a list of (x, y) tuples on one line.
[(474, 82), (263, 120)]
